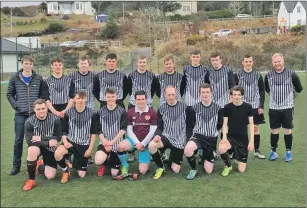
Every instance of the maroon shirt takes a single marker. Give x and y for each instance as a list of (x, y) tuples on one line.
[(141, 121)]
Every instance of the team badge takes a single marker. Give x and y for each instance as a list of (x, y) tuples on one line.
[(147, 118), (133, 117)]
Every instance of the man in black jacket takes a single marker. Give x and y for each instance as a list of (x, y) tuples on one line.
[(24, 88)]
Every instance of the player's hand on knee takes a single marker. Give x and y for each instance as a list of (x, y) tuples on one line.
[(108, 148), (88, 153), (157, 139), (36, 139), (139, 146), (67, 145)]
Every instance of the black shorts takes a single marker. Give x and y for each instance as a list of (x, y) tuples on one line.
[(239, 147), (176, 154), (281, 118), (48, 156), (258, 118), (207, 144), (113, 161), (80, 162)]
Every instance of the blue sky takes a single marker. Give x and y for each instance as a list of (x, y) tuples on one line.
[(19, 3)]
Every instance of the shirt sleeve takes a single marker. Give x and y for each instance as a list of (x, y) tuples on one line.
[(57, 131), (296, 83), (65, 127), (190, 121), (183, 85), (72, 89), (28, 132), (45, 91), (96, 87), (126, 89), (249, 110), (220, 119), (266, 84), (261, 91), (231, 79), (94, 124), (160, 124), (123, 121), (226, 111)]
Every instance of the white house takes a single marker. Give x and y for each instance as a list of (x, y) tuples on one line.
[(292, 13), (70, 7), (30, 42), (11, 55), (187, 8)]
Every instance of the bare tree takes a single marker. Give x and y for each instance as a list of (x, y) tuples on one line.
[(236, 7)]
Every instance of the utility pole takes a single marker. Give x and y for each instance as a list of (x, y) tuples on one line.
[(123, 11), (11, 23)]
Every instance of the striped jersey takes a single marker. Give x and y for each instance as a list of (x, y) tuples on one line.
[(142, 81), (173, 122), (116, 80), (84, 82), (47, 129), (281, 87), (165, 80), (79, 126), (253, 85), (111, 122), (58, 90), (221, 81), (206, 120)]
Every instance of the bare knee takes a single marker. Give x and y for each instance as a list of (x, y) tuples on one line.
[(275, 131), (241, 167), (256, 129), (121, 147), (222, 148), (81, 173), (100, 157), (143, 169), (60, 151), (152, 147), (114, 172), (49, 173), (189, 149), (176, 168), (33, 153), (287, 131)]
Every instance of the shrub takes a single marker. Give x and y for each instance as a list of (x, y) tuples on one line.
[(219, 14), (111, 31), (43, 20), (55, 27), (194, 39)]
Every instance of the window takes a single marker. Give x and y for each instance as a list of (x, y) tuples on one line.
[(186, 8), (299, 22), (78, 6), (55, 7), (298, 9)]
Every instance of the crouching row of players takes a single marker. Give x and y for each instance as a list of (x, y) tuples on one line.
[(148, 132)]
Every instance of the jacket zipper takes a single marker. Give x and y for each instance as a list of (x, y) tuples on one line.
[(28, 88)]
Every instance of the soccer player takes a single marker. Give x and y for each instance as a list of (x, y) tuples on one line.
[(42, 132), (23, 89), (206, 121), (221, 79), (141, 79), (194, 75), (254, 94), (79, 134), (142, 124), (112, 125), (237, 115), (171, 133), (83, 80), (111, 78), (281, 83), (170, 77)]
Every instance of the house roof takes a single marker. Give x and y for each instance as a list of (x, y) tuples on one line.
[(304, 3), (290, 5), (8, 46)]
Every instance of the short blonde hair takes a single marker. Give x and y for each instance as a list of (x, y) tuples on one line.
[(277, 55), (169, 57)]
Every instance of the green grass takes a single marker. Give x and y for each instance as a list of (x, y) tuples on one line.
[(265, 183)]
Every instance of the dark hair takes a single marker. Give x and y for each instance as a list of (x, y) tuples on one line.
[(195, 52), (81, 94), (247, 56), (27, 58), (84, 58), (56, 59), (205, 86), (140, 92), (111, 56), (216, 54), (237, 88), (39, 101), (110, 91)]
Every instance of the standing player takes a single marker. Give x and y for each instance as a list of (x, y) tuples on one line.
[(169, 78), (206, 121), (83, 80), (171, 133), (142, 124), (252, 83), (58, 89), (281, 84), (23, 89), (43, 132), (237, 116), (112, 126), (141, 79), (111, 78), (79, 134)]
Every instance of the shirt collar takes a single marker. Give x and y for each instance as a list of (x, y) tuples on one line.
[(137, 110)]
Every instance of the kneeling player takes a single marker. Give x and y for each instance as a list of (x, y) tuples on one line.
[(43, 132), (112, 125), (142, 124), (237, 116), (171, 132), (79, 134), (206, 122)]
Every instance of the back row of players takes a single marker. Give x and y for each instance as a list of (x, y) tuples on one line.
[(201, 119)]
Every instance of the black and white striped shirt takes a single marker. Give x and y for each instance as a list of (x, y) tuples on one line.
[(166, 80), (116, 80), (281, 87), (84, 82), (142, 81), (221, 81), (111, 122), (47, 129), (173, 123), (206, 120), (58, 90), (253, 85), (193, 77), (79, 126)]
